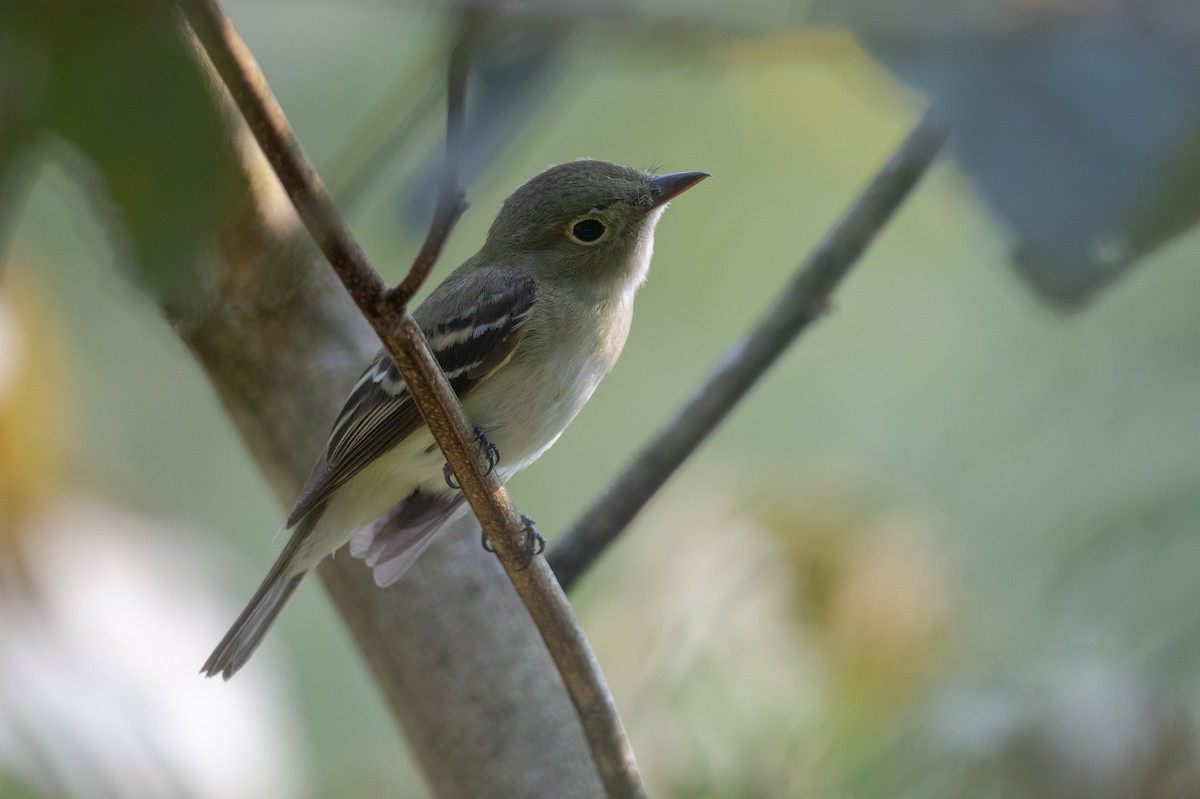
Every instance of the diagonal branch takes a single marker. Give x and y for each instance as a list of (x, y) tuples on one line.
[(387, 313), (802, 302)]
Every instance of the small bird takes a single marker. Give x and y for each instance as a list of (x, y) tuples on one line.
[(524, 330)]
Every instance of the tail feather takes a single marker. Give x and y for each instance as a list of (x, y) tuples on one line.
[(395, 540), (247, 632)]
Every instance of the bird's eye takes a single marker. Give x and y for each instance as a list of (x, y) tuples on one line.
[(587, 231)]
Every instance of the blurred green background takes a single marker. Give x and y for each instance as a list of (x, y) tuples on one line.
[(947, 545)]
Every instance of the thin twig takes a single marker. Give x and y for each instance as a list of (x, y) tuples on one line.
[(801, 302), (439, 406)]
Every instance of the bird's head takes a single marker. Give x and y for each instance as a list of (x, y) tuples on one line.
[(585, 219)]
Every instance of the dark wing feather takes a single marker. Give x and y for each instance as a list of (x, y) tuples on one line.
[(380, 413)]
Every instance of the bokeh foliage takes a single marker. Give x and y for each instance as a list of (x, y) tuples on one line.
[(948, 546), (118, 82)]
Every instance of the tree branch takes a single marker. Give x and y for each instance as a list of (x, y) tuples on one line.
[(387, 313), (801, 302)]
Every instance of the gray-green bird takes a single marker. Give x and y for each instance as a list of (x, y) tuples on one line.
[(524, 331)]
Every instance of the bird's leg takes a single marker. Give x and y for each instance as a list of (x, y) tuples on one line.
[(493, 454), (535, 544), (493, 458)]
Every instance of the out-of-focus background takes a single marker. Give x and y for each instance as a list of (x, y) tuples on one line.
[(948, 547)]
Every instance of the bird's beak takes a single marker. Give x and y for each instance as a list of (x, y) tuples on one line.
[(664, 187)]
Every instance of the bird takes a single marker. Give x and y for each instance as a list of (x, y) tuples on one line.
[(524, 330)]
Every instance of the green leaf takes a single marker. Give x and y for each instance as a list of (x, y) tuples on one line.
[(120, 83)]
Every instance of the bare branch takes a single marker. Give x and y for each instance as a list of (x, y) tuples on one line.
[(385, 310), (246, 83), (801, 302)]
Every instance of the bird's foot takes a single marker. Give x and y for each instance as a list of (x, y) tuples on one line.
[(448, 476), (489, 449), (535, 543)]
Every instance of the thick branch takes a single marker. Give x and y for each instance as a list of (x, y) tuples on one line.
[(802, 301), (430, 391)]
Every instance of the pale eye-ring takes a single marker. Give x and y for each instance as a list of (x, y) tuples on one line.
[(587, 230)]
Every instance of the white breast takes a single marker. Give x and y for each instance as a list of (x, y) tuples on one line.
[(530, 401)]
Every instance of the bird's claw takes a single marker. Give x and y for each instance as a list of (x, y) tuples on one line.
[(489, 449), (535, 543)]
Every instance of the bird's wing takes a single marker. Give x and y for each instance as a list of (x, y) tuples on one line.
[(477, 338)]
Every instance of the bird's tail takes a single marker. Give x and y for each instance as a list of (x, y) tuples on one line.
[(247, 632)]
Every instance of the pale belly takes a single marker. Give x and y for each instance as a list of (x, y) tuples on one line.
[(525, 408)]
